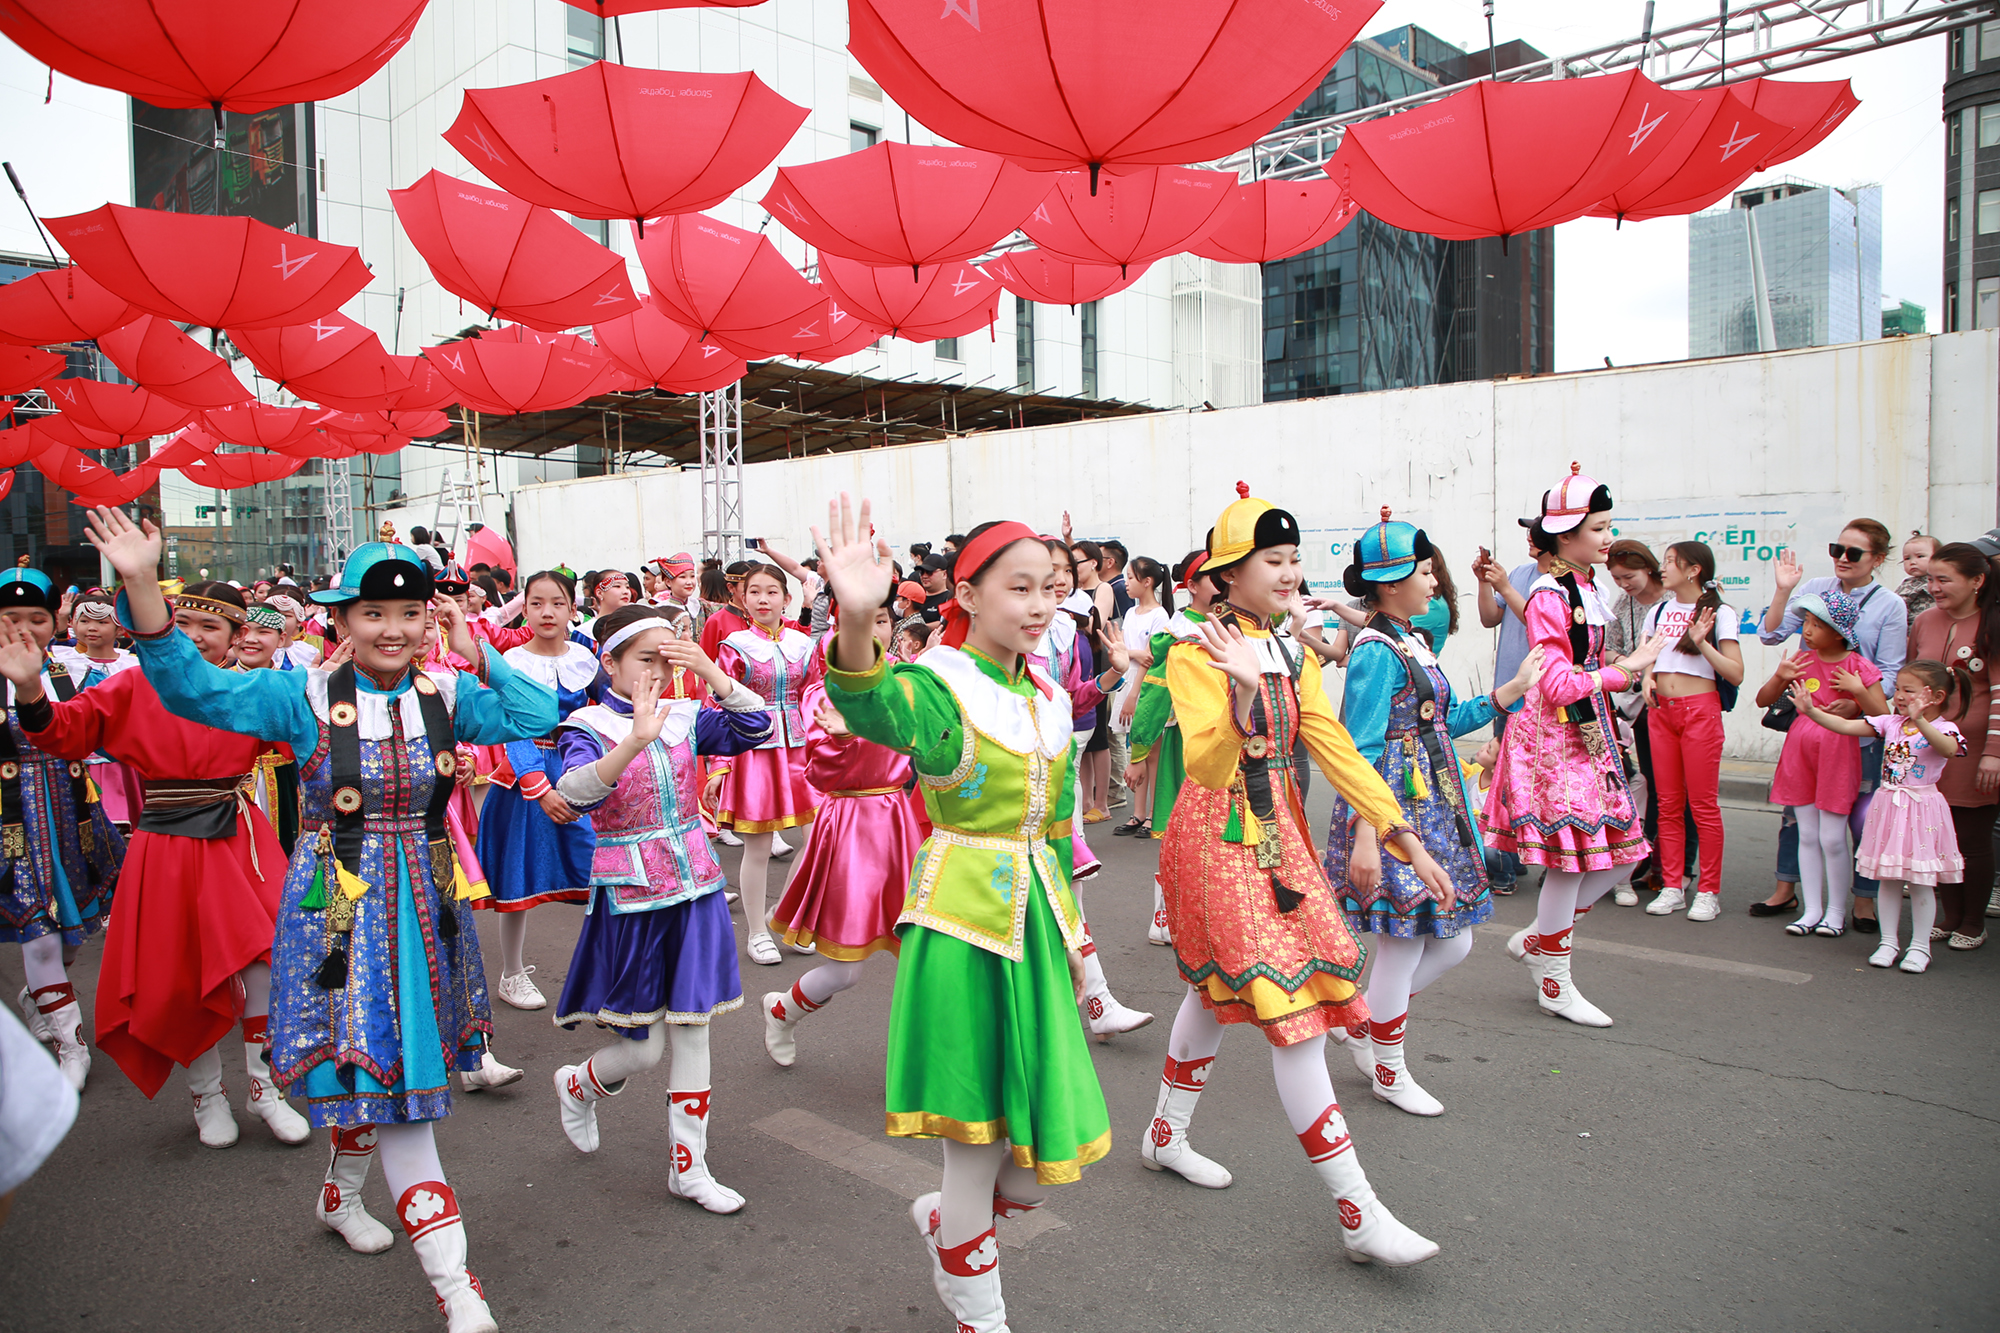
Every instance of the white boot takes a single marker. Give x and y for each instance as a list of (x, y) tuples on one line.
[(1557, 994), (1391, 1076), (339, 1207), (265, 1101), (971, 1275), (782, 1012), (211, 1102), (687, 1169), (429, 1213), (1358, 1048), (1521, 947), (1368, 1229), (1158, 932), (32, 1017), (577, 1093), (924, 1212), (1165, 1147), (1107, 1017), (490, 1074), (62, 1018)]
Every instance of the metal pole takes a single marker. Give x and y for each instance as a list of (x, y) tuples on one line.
[(1490, 47)]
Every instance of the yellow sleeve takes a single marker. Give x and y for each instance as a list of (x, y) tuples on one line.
[(1337, 756), (1205, 707)]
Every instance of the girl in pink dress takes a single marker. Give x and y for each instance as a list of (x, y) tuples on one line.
[(848, 887), (1908, 841), (1819, 771), (765, 790), (1559, 797)]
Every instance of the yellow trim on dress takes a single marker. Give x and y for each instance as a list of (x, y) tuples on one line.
[(1066, 1171), (844, 953)]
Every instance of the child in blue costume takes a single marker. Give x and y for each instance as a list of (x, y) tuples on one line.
[(377, 985), (1401, 711)]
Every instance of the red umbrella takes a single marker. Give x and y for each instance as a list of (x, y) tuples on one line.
[(120, 488), (335, 361), (1102, 82), (123, 410), (243, 57), (611, 377), (730, 285), (219, 272), (485, 546), (229, 471), (1130, 219), (1052, 281), (22, 368), (1715, 151), (21, 443), (605, 9), (428, 389), (510, 257), (69, 469), (1503, 158), (1276, 220), (152, 352), (665, 354), (189, 446), (1811, 110), (841, 334), (259, 424), (59, 429), (946, 300), (60, 306), (902, 204), (620, 141), (516, 376)]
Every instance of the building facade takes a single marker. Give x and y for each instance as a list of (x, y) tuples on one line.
[(1785, 265), (1972, 178)]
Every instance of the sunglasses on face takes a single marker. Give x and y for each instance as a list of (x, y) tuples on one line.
[(1854, 555)]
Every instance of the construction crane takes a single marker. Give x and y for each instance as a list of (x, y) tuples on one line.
[(1746, 39)]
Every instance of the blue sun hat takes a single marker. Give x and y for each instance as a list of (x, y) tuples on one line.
[(380, 572), (1387, 552), (1835, 608)]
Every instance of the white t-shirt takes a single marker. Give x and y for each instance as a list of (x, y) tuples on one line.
[(1672, 618)]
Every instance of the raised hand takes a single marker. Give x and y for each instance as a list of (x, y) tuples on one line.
[(829, 720), (20, 656), (1849, 682), (1801, 696), (1068, 540), (856, 568), (1787, 572), (133, 551), (647, 717), (342, 652), (1704, 622), (1231, 654), (1645, 655)]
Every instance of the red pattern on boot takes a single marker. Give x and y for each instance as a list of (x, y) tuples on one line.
[(425, 1207), (1187, 1075), (1316, 1141), (1006, 1207), (694, 1104), (1387, 1034), (58, 997), (797, 997), (974, 1257)]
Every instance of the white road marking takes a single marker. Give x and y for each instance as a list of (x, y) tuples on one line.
[(1694, 960), (879, 1164)]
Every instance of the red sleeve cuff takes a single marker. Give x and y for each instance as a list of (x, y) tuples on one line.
[(534, 786)]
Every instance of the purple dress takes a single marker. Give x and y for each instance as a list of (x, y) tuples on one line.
[(657, 944)]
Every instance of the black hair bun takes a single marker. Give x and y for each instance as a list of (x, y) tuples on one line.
[(1350, 578)]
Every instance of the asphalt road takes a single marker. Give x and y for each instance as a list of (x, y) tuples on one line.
[(1774, 1136)]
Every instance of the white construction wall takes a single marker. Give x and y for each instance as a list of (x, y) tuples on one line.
[(1750, 454)]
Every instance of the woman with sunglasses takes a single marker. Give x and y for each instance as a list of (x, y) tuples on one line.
[(1881, 634)]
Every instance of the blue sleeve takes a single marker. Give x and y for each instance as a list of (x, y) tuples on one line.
[(508, 707), (1790, 625), (1374, 673), (720, 731), (270, 705), (1892, 642), (1472, 714), (524, 757)]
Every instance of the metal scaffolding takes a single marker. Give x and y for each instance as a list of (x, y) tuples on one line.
[(339, 493), (722, 473)]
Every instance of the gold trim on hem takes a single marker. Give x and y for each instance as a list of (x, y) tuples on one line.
[(1067, 1171), (845, 953), (604, 1018)]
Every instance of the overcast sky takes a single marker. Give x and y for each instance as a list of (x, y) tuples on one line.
[(1621, 294)]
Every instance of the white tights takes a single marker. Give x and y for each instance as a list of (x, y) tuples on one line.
[(752, 877), (830, 979), (972, 1172), (42, 960), (1923, 913), (1826, 870), (513, 929), (1304, 1087), (689, 1071), (1405, 967), (1564, 893), (409, 1156)]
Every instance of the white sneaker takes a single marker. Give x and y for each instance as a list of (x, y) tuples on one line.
[(1916, 960), (728, 839), (490, 1074), (780, 849), (1707, 907), (516, 989), (1993, 904), (1625, 895), (1884, 956), (763, 950), (1667, 903)]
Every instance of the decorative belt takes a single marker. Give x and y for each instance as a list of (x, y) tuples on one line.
[(374, 824), (868, 791), (985, 842), (205, 808), (192, 793)]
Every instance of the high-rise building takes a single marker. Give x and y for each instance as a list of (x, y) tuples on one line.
[(1381, 308), (1900, 319), (1972, 178), (1786, 265)]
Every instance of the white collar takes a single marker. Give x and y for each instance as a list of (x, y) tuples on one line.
[(1041, 721)]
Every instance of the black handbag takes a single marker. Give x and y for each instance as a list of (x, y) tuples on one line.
[(1780, 715)]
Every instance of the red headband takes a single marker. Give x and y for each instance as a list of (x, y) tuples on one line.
[(972, 557)]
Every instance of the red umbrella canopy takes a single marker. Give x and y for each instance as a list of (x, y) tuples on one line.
[(510, 257), (120, 488), (620, 141), (613, 8), (229, 471), (22, 368), (484, 546), (1811, 110), (69, 469), (946, 300), (665, 354), (516, 376), (1503, 158), (1052, 281), (1715, 151), (903, 204), (1130, 219), (60, 306), (334, 361), (259, 424), (843, 333), (126, 411), (246, 57), (428, 389), (1062, 84), (731, 286), (154, 353), (219, 272), (191, 445), (610, 377), (20, 444), (1278, 219), (57, 428)]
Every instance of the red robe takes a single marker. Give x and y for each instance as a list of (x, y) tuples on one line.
[(189, 913)]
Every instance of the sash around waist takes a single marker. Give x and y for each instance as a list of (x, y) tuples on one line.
[(203, 808)]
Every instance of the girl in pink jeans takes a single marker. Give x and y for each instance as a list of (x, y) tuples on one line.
[(1684, 718)]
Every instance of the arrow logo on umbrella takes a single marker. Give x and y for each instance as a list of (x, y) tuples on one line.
[(609, 298), (965, 9), (1646, 128), (287, 266), (787, 204), (478, 137), (961, 284), (323, 330), (1733, 145), (1041, 212), (457, 361)]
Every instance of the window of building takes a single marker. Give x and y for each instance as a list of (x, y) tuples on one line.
[(597, 229), (1951, 220), (1024, 344), (1989, 125), (1957, 44), (861, 136), (1090, 349), (1989, 41), (946, 349), (1954, 141), (1989, 212), (585, 37), (1986, 305), (1951, 307)]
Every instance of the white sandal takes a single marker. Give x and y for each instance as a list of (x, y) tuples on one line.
[(763, 950)]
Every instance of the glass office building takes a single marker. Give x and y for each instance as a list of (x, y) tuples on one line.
[(1786, 265)]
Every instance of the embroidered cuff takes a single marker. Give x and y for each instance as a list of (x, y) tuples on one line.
[(743, 699), (534, 786), (124, 611), (479, 660), (582, 787), (857, 682)]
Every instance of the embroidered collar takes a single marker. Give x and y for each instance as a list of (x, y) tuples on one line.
[(394, 683), (773, 637), (1253, 626)]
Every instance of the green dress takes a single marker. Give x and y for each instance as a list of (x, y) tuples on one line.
[(1153, 720), (984, 1040)]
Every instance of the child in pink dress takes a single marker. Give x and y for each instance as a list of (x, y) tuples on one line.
[(1819, 771), (850, 882), (1908, 841)]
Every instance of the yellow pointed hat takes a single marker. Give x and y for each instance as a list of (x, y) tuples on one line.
[(1248, 525)]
